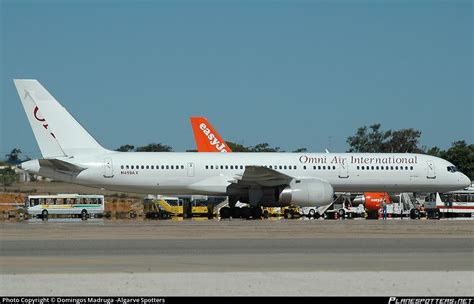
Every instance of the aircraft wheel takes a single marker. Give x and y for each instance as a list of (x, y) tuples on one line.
[(246, 212), (257, 212), (414, 214), (237, 212), (44, 215), (224, 212), (84, 214)]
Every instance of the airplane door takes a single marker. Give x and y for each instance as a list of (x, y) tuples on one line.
[(108, 167), (190, 169), (343, 168), (431, 169)]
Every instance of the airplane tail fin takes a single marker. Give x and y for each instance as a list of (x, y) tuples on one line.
[(206, 137), (56, 131)]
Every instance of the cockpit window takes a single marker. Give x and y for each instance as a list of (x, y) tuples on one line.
[(452, 169)]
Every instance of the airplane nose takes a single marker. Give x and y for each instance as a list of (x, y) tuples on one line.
[(466, 181)]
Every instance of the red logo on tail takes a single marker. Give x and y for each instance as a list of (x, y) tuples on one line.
[(45, 125)]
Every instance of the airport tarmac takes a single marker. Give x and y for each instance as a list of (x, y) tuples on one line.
[(238, 257)]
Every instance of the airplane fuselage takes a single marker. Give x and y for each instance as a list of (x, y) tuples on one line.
[(212, 173)]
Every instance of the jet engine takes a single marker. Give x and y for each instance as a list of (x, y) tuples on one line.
[(307, 192)]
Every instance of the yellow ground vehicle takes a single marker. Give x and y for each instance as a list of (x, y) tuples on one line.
[(291, 212), (175, 206), (288, 212), (200, 207), (272, 212), (153, 209)]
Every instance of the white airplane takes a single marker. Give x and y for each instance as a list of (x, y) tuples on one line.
[(72, 155)]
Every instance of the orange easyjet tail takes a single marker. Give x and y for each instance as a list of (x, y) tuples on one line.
[(207, 139)]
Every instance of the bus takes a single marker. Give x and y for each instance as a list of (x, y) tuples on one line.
[(458, 203), (64, 204)]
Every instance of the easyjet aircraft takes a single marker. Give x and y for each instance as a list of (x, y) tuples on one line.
[(273, 179), (206, 137)]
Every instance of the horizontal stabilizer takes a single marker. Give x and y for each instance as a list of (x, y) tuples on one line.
[(60, 165)]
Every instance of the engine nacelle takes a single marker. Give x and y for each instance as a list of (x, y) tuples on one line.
[(307, 193)]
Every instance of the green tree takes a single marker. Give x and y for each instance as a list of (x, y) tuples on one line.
[(434, 151), (462, 156), (404, 141), (7, 177), (153, 147), (237, 147), (377, 141), (264, 147), (368, 141), (14, 156), (125, 148), (300, 150)]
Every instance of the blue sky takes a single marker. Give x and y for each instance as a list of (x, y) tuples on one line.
[(290, 73)]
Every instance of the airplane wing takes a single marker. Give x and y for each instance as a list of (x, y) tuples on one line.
[(261, 176), (61, 165)]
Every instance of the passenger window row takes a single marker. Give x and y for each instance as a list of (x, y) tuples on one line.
[(222, 167), (324, 168), (275, 167), (152, 167), (241, 167), (386, 168)]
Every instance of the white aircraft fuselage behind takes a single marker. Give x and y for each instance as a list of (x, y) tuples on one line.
[(72, 155), (113, 170)]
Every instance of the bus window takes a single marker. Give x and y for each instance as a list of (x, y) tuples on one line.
[(461, 197), (448, 200), (431, 197)]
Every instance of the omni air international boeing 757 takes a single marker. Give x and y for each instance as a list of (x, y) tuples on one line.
[(72, 155)]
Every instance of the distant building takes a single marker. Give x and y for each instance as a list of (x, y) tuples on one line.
[(24, 176)]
